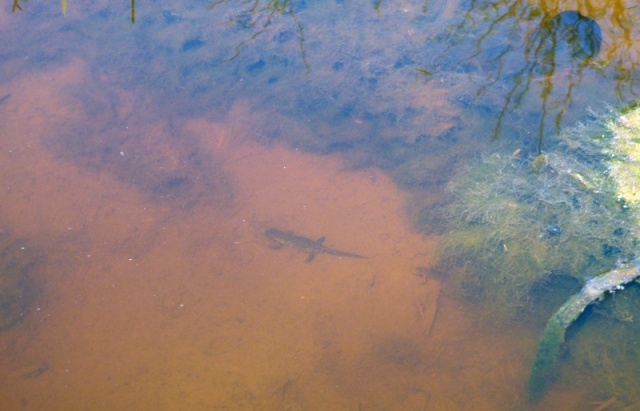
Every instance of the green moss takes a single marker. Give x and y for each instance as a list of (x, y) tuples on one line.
[(573, 211), (511, 223), (538, 163)]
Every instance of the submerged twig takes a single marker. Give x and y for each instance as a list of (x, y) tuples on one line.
[(435, 314), (554, 332), (606, 404)]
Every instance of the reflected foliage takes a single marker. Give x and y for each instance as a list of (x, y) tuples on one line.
[(571, 30), (538, 57), (16, 6), (567, 40), (257, 16), (515, 69), (549, 55)]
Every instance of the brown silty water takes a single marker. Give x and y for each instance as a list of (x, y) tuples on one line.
[(149, 305)]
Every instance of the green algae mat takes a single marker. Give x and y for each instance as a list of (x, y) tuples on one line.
[(622, 155), (541, 237)]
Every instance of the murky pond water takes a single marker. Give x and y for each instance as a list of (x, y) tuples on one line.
[(141, 165)]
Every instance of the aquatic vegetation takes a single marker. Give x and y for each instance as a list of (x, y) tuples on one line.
[(509, 222)]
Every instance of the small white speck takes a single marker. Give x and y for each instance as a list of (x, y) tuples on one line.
[(122, 153)]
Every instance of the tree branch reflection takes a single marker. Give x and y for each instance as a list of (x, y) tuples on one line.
[(258, 16), (17, 7), (536, 55), (544, 53)]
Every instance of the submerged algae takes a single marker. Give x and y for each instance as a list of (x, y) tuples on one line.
[(623, 154), (508, 227), (512, 223)]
